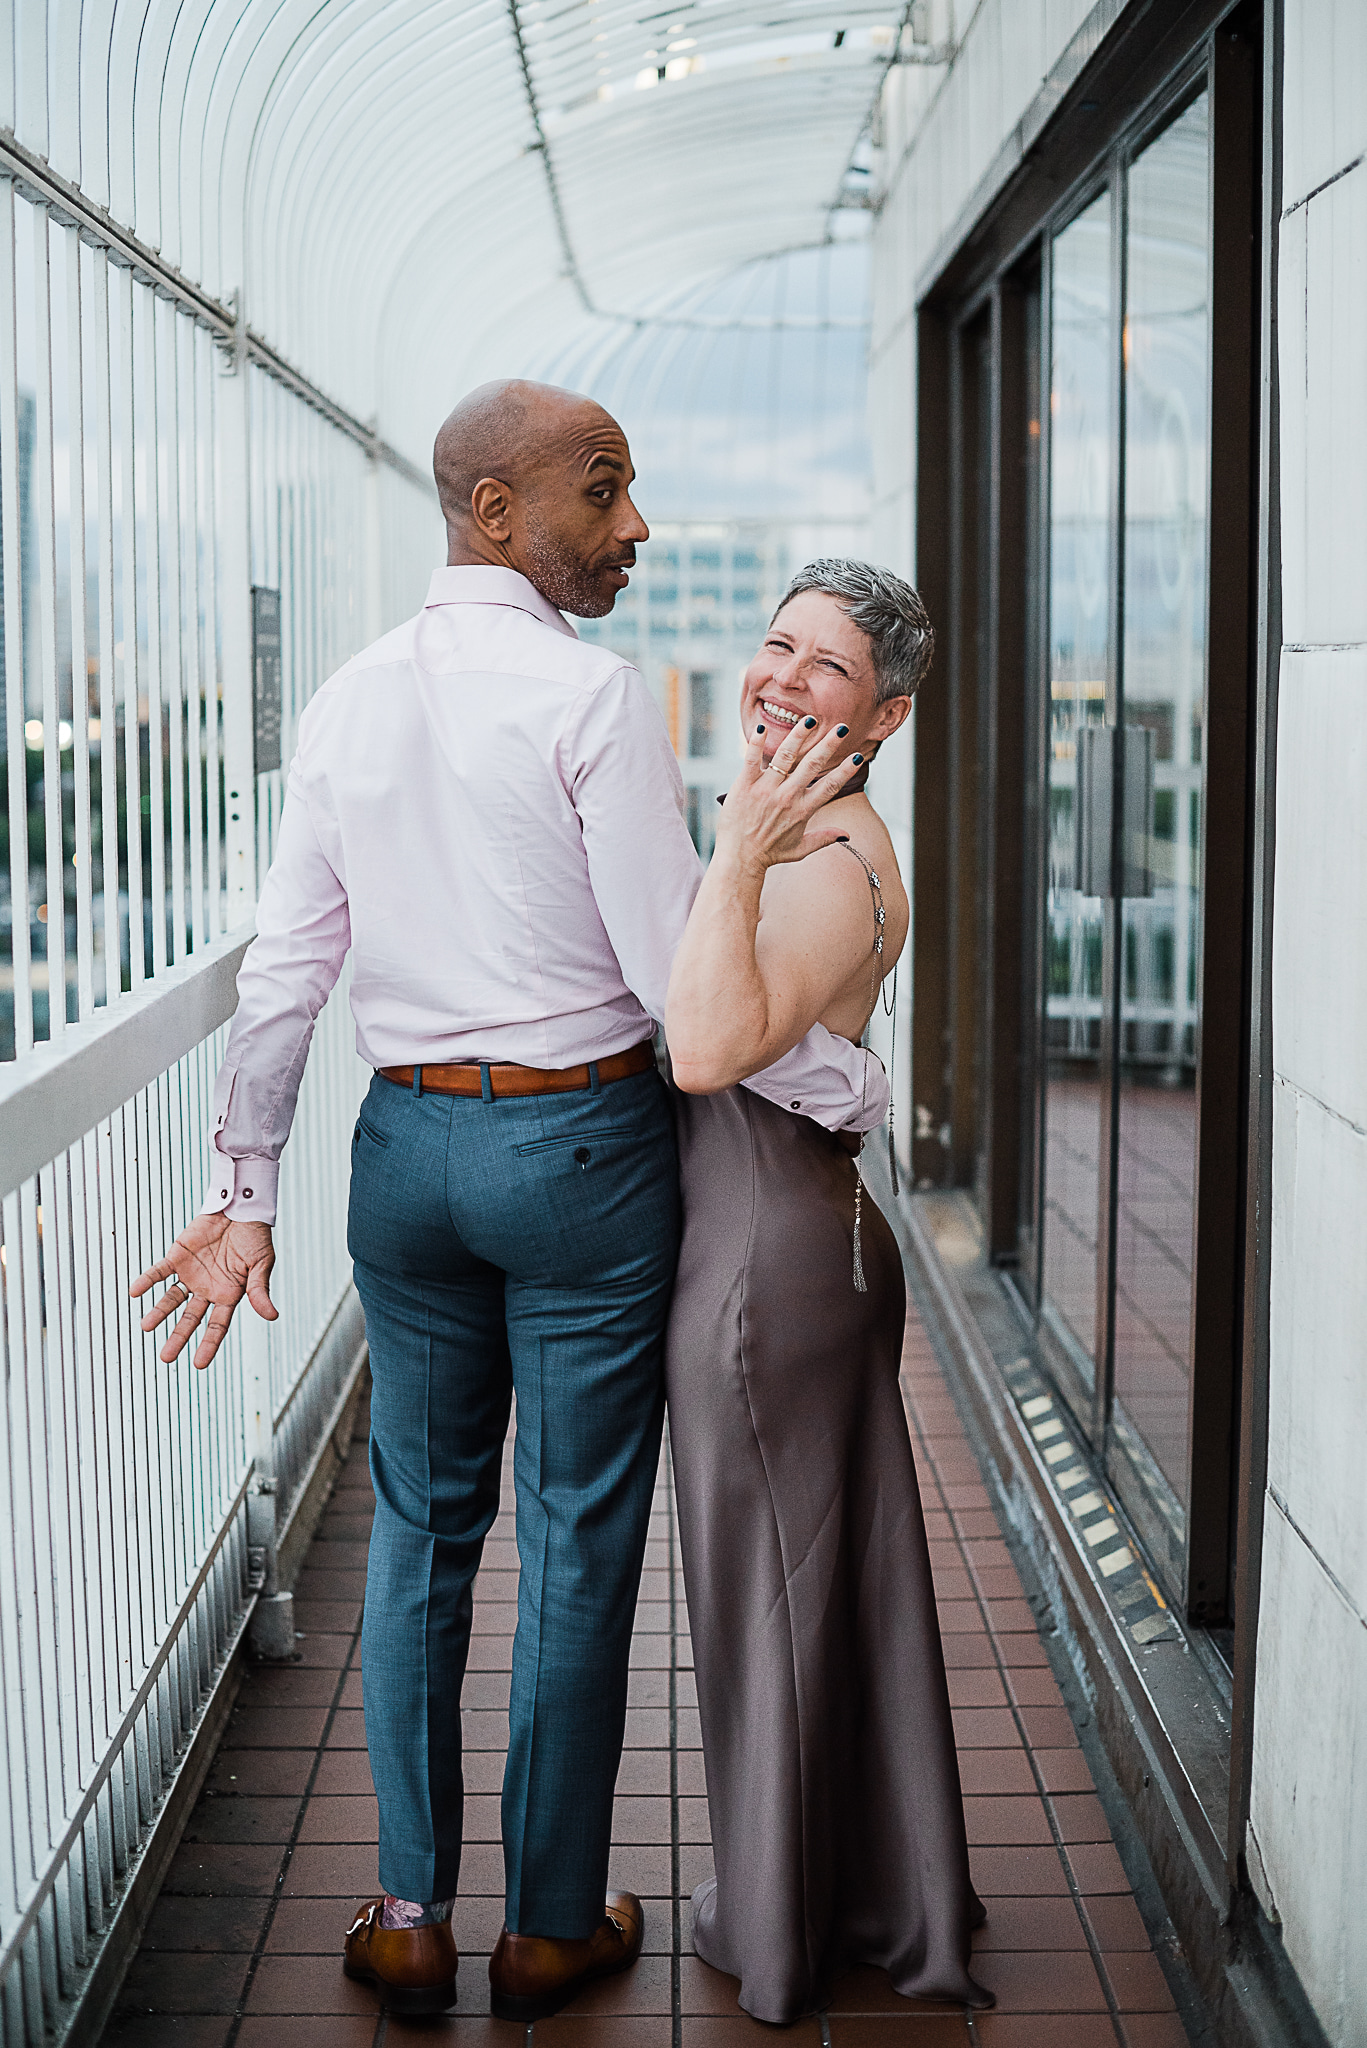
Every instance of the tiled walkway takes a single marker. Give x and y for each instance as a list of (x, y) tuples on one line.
[(242, 1950)]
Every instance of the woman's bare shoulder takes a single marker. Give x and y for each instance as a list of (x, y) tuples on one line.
[(870, 837), (824, 902)]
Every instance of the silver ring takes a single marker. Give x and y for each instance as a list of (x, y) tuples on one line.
[(183, 1293)]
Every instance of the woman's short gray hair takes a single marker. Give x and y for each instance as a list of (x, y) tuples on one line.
[(886, 609)]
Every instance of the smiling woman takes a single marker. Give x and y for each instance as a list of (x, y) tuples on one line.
[(786, 1423), (778, 941)]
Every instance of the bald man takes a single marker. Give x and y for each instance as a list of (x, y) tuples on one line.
[(488, 816)]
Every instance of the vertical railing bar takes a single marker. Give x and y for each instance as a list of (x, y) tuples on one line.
[(124, 1316), (28, 1545), (187, 384), (43, 464), (165, 318), (18, 1746), (208, 528), (156, 764), (63, 1483), (109, 731), (128, 569), (80, 675), (11, 522), (47, 1435), (104, 1308), (86, 1635)]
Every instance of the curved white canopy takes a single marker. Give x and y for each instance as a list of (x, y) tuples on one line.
[(413, 194)]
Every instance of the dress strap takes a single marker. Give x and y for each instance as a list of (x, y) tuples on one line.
[(879, 922), (880, 918)]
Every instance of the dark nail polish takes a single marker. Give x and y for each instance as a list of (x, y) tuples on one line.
[(856, 758), (841, 731), (809, 723), (759, 728), (843, 838)]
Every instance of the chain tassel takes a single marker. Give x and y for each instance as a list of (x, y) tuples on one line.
[(861, 1285)]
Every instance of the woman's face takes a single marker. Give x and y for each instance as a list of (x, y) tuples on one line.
[(815, 663)]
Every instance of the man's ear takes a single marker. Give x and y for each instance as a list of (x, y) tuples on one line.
[(491, 508)]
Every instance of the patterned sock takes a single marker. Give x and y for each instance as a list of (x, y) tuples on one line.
[(407, 1913)]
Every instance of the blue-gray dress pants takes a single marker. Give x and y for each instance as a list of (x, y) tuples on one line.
[(516, 1247)]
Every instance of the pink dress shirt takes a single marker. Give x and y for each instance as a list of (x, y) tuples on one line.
[(489, 815)]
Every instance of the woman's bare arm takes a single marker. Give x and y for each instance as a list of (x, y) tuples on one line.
[(765, 952)]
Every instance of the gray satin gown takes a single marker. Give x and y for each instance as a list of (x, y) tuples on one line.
[(832, 1778)]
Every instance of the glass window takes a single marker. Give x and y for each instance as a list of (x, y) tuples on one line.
[(1167, 373), (1081, 330)]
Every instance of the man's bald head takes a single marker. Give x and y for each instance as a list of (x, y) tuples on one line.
[(537, 479)]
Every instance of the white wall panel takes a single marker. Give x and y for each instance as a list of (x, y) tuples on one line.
[(1318, 1390), (1325, 92), (1323, 318), (1320, 943), (1310, 1777), (1309, 1795)]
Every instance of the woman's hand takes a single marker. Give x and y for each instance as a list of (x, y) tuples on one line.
[(739, 1000), (764, 820)]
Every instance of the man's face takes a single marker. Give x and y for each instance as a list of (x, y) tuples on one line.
[(575, 530)]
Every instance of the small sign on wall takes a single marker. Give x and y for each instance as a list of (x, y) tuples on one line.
[(267, 678)]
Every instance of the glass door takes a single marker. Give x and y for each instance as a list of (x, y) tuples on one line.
[(1081, 342), (1166, 409), (1126, 528)]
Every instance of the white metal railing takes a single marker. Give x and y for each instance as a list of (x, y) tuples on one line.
[(156, 460)]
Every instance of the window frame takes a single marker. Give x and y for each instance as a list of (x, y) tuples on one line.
[(979, 828)]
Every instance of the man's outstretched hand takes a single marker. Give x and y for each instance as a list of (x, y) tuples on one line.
[(214, 1263)]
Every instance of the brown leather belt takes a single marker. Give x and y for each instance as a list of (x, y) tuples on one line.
[(505, 1079)]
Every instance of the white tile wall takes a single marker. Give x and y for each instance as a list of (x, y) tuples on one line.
[(1310, 1729), (1319, 986), (1310, 1778), (1317, 1424), (1322, 310), (1325, 92)]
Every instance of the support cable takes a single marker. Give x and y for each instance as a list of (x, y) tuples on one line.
[(66, 204), (572, 270)]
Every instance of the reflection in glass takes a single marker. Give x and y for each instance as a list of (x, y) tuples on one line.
[(1079, 635), (1166, 445)]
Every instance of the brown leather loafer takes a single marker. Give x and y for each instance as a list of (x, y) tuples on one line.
[(531, 1976), (414, 1968)]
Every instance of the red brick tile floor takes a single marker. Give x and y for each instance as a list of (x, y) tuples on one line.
[(242, 1950)]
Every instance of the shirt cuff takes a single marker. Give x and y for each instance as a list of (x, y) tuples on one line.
[(243, 1189), (866, 1116)]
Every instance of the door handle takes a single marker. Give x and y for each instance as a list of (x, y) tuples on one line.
[(1114, 787)]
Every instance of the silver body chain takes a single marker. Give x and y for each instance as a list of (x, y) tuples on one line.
[(879, 924)]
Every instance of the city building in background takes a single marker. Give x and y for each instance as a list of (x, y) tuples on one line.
[(745, 400)]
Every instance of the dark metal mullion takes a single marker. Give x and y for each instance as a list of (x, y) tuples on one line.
[(1003, 743), (1043, 728), (1112, 956), (930, 939), (962, 1007), (1224, 942)]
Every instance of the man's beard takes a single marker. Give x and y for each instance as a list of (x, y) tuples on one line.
[(568, 583)]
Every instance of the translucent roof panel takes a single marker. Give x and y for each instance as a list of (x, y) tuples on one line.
[(745, 398), (410, 195)]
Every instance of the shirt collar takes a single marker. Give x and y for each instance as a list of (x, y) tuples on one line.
[(482, 583)]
